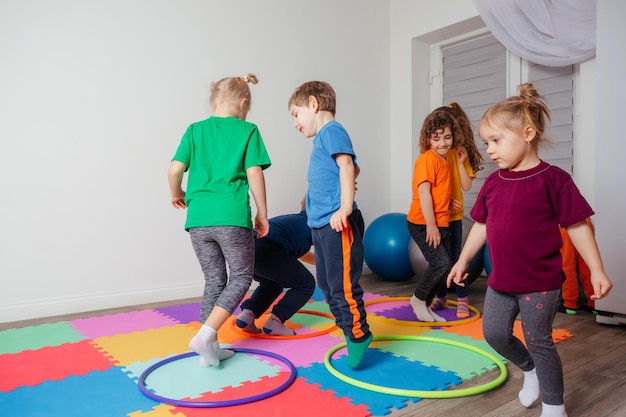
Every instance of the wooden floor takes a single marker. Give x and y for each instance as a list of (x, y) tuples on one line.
[(594, 364)]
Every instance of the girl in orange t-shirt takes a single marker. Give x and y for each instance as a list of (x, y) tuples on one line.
[(428, 216), (465, 161)]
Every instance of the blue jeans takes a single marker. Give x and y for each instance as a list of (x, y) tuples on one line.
[(438, 261)]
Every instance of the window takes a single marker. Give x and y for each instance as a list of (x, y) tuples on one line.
[(478, 71)]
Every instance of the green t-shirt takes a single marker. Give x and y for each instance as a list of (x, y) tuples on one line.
[(216, 153)]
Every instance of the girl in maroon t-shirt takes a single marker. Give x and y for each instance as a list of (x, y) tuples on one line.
[(518, 211)]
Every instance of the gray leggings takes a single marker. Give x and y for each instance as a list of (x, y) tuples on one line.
[(537, 311), (216, 247)]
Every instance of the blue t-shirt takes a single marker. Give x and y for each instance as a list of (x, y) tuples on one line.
[(291, 232), (323, 197)]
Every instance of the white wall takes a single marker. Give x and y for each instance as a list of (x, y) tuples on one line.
[(414, 26), (94, 97)]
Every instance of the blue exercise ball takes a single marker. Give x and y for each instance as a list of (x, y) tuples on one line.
[(386, 247)]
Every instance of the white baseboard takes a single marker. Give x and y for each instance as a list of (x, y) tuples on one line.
[(11, 312), (69, 305)]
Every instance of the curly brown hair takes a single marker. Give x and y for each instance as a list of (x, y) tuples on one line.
[(464, 135), (435, 122)]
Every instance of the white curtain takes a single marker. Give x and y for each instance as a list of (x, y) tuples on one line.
[(548, 32)]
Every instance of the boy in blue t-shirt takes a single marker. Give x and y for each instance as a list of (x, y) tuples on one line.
[(336, 223)]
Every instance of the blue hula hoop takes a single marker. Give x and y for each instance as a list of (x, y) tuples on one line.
[(216, 404)]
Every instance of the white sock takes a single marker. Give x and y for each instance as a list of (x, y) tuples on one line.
[(436, 316), (202, 344), (548, 410), (530, 390), (421, 311), (221, 354)]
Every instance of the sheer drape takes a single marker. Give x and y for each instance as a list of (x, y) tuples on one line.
[(548, 32)]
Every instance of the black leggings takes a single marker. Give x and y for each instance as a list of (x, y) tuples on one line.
[(438, 261), (537, 311)]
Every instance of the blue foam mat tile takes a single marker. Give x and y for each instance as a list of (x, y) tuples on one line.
[(384, 369), (318, 295), (97, 394)]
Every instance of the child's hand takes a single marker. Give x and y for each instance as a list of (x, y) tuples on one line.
[(601, 285), (339, 220), (454, 204), (433, 236), (458, 274), (262, 226), (461, 155), (178, 202)]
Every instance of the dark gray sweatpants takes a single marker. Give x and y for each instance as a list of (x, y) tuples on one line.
[(537, 311), (216, 248)]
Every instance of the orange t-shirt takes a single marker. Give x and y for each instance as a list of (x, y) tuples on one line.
[(434, 169)]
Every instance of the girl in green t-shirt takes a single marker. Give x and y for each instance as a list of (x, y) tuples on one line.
[(224, 157)]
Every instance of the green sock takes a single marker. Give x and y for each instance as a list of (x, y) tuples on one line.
[(356, 350)]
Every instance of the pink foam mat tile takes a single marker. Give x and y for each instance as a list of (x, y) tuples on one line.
[(121, 323), (300, 352)]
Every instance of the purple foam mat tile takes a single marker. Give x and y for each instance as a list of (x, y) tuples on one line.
[(300, 352), (377, 308), (183, 313), (371, 296), (405, 313)]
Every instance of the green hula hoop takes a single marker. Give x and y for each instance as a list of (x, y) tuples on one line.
[(452, 393)]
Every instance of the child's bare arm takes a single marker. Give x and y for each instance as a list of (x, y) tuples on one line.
[(584, 241), (475, 241), (175, 174), (256, 181), (347, 177), (465, 179), (433, 236)]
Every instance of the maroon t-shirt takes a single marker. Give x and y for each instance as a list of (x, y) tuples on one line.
[(522, 211)]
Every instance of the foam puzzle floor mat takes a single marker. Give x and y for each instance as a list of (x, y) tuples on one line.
[(92, 366)]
